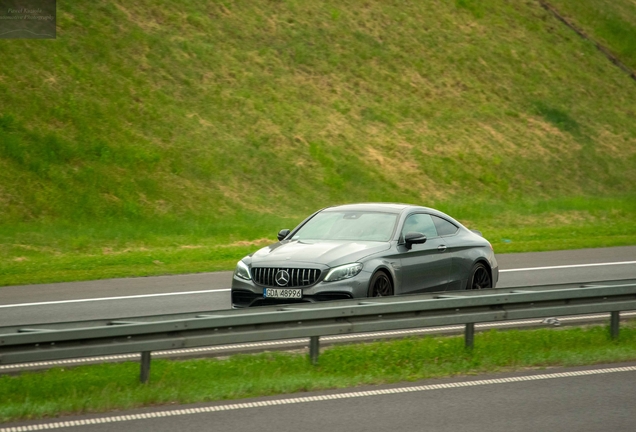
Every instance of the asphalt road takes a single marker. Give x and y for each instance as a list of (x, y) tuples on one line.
[(566, 400), (599, 398), (120, 298)]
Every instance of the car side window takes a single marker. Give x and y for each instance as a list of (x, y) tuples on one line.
[(444, 227), (421, 223)]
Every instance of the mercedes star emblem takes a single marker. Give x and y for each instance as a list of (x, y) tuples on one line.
[(282, 278)]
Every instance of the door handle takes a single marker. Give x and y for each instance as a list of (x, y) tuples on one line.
[(441, 248)]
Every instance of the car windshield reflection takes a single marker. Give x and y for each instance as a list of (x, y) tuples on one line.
[(352, 226)]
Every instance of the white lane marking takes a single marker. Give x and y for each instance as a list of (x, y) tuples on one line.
[(567, 266), (113, 298), (318, 398), (228, 289), (290, 343)]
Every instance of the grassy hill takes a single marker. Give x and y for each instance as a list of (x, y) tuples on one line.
[(611, 23), (166, 136)]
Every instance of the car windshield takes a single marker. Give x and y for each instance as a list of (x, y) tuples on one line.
[(356, 226)]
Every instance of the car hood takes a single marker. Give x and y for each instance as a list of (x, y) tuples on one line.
[(323, 253)]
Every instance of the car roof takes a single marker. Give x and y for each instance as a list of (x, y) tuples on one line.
[(380, 207)]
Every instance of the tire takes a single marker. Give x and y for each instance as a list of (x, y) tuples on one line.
[(479, 278), (380, 285)]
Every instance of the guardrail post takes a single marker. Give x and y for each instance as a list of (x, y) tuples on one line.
[(469, 336), (145, 367), (314, 349), (614, 324)]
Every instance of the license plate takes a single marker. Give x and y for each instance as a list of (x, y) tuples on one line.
[(283, 293)]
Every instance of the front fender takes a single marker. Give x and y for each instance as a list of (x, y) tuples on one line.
[(392, 267)]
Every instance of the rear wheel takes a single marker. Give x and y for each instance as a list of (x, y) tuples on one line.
[(381, 285), (479, 277)]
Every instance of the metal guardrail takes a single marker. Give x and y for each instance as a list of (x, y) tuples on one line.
[(99, 338)]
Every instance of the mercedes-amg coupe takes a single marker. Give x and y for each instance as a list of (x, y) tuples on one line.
[(365, 250)]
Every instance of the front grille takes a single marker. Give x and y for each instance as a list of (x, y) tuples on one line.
[(298, 277)]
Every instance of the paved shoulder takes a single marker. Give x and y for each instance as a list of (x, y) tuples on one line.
[(574, 399)]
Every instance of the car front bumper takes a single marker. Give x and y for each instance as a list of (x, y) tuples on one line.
[(246, 293)]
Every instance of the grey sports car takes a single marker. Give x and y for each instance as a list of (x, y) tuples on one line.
[(365, 250)]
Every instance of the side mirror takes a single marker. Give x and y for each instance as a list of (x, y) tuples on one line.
[(412, 238), (282, 234)]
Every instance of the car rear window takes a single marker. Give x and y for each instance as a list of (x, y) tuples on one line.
[(444, 227)]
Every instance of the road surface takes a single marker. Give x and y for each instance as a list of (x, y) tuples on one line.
[(130, 297), (598, 398)]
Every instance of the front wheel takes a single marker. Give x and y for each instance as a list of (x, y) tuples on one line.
[(381, 285), (479, 277)]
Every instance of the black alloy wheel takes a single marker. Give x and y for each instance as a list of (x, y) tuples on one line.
[(380, 285), (480, 278)]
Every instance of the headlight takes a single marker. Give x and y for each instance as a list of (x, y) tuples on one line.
[(343, 272), (242, 271)]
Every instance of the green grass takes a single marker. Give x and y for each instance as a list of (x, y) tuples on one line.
[(88, 389), (145, 130), (612, 23)]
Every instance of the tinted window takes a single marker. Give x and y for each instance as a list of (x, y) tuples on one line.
[(361, 226), (444, 227), (421, 223)]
